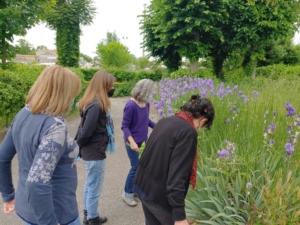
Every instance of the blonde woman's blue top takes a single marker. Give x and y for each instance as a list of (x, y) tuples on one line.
[(46, 192)]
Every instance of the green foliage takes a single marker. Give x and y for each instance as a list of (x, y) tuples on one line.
[(292, 55), (111, 36), (24, 48), (123, 75), (124, 88), (86, 58), (282, 51), (66, 17), (273, 72), (114, 54), (15, 18), (88, 73), (279, 71), (142, 63), (14, 85), (186, 72), (193, 29)]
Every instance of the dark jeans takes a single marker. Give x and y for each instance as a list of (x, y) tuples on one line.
[(134, 162), (157, 214)]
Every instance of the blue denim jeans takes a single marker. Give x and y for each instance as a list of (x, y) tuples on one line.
[(93, 186), (134, 162), (75, 222)]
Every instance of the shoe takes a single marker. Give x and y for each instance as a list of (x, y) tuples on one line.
[(97, 221), (85, 221), (129, 200)]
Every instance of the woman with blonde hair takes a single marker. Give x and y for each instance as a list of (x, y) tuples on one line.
[(135, 128), (95, 136), (46, 192)]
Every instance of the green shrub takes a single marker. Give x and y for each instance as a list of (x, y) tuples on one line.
[(12, 94), (189, 73), (123, 89), (124, 75), (88, 73), (279, 70)]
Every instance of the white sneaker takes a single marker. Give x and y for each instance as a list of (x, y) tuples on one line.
[(129, 199)]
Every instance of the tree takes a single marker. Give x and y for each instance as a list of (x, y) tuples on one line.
[(41, 47), (15, 18), (193, 29), (24, 47), (111, 36), (66, 17), (113, 53), (86, 58)]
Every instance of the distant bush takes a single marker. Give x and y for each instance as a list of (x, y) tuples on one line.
[(186, 72)]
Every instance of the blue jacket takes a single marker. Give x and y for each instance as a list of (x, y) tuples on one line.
[(46, 193)]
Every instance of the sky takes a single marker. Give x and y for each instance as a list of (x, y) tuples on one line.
[(118, 16)]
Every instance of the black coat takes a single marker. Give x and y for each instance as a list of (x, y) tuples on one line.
[(92, 136), (166, 164)]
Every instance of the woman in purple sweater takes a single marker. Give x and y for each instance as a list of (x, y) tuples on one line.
[(135, 128)]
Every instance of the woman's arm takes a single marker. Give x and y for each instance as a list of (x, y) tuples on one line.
[(89, 125), (151, 123), (7, 153), (126, 122)]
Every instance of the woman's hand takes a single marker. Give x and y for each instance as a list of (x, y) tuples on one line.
[(133, 144), (9, 207), (182, 222)]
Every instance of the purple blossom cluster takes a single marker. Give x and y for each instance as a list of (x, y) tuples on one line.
[(293, 129), (269, 135), (172, 90), (234, 110), (227, 151), (291, 111)]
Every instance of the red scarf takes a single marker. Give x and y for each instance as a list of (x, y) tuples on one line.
[(188, 118)]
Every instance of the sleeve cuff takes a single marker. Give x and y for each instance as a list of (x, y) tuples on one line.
[(8, 197), (152, 124), (127, 133), (178, 214)]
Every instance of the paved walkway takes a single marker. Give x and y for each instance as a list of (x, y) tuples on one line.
[(117, 167)]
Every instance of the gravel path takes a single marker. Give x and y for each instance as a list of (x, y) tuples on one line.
[(117, 166)]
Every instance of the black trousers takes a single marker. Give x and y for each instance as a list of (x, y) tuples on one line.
[(157, 214)]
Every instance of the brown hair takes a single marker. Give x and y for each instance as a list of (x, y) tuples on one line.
[(53, 91), (97, 90)]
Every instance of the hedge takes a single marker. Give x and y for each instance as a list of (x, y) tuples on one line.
[(123, 75), (18, 78)]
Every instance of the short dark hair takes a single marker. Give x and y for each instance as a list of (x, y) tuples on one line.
[(198, 107)]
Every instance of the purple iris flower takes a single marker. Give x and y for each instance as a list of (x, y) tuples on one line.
[(289, 148), (224, 153), (291, 111)]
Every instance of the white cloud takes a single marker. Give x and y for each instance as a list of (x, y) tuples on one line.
[(112, 15)]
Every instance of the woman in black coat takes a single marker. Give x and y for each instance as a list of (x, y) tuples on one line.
[(168, 164)]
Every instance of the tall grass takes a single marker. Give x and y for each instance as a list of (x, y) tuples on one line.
[(259, 184)]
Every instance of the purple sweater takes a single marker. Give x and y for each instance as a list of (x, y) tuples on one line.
[(136, 122)]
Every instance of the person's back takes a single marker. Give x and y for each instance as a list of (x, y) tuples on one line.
[(169, 163), (152, 174), (27, 131)]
